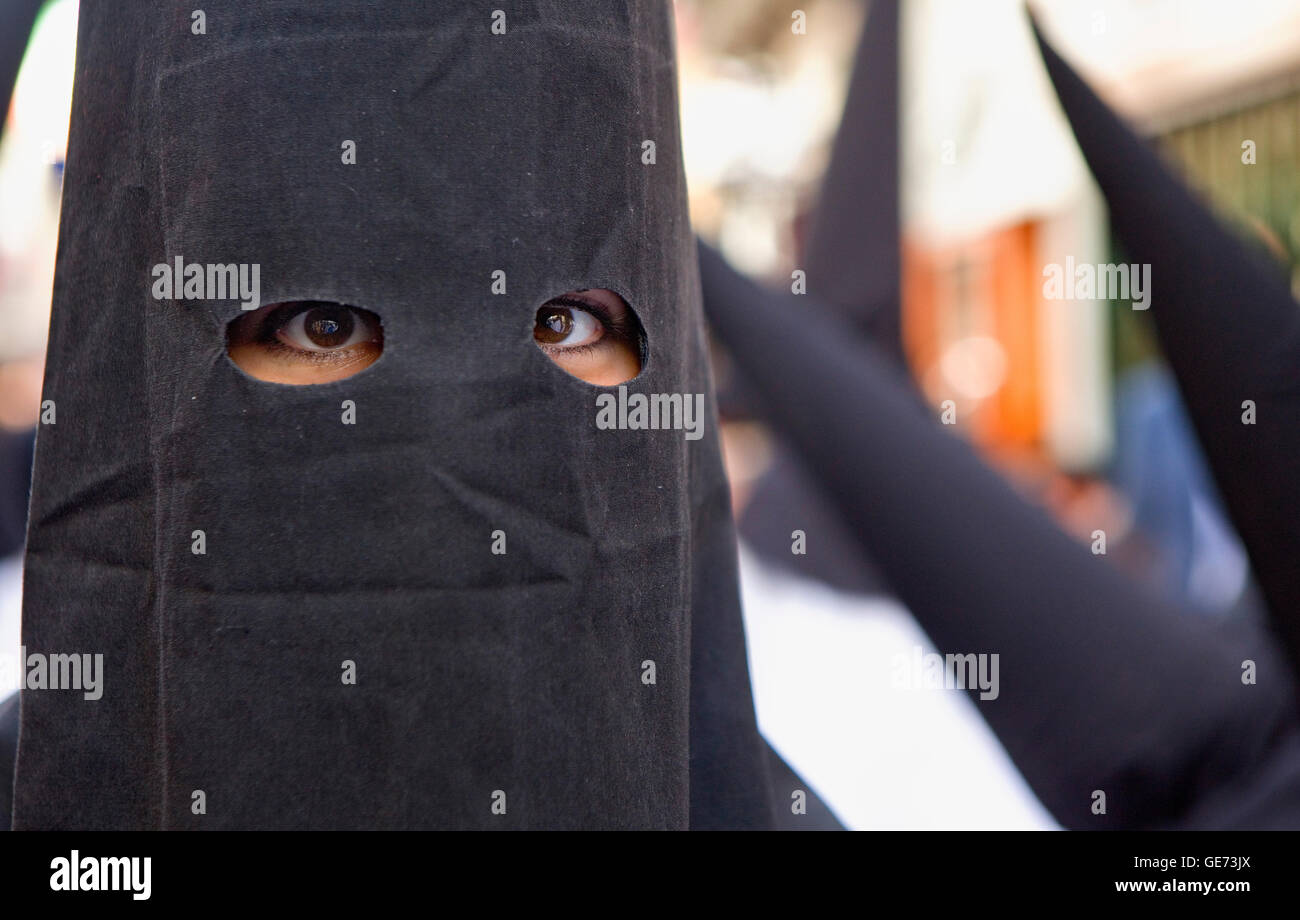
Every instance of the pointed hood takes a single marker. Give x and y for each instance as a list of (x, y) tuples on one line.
[(852, 255), (1228, 326), (1102, 686), (852, 259)]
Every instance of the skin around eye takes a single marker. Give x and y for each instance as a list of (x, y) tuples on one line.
[(305, 342), (591, 334)]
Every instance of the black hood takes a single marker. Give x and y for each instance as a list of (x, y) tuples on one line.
[(1104, 685), (1228, 326), (370, 542), (853, 256), (852, 262)]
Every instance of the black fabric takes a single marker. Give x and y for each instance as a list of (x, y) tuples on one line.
[(852, 260), (17, 17), (1103, 686), (8, 751), (1229, 329), (1266, 796), (370, 542), (15, 482), (853, 257), (787, 498)]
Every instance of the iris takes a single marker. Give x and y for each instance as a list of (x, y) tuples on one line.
[(329, 326)]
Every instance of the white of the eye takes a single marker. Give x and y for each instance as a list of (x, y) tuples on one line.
[(295, 330), (584, 327)]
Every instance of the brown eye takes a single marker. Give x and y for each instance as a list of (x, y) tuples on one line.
[(324, 327), (553, 325), (305, 341), (329, 326), (592, 334), (562, 324)]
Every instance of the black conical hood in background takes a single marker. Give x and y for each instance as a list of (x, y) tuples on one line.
[(17, 20), (1103, 686), (1228, 326), (17, 17), (852, 256), (852, 261)]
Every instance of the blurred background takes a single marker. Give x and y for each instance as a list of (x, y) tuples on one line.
[(1072, 404), (1069, 399), (37, 50), (992, 188)]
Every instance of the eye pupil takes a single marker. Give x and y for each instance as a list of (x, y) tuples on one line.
[(554, 324), (329, 326)]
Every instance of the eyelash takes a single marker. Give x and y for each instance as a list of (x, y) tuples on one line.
[(277, 319), (310, 357), (614, 328)]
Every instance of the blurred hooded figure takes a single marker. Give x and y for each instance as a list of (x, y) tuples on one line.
[(852, 262), (1229, 329), (1121, 708), (33, 131), (430, 591), (826, 634)]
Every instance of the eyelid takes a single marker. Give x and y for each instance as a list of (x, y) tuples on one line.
[(266, 327), (587, 325), (618, 355), (621, 327), (262, 329), (595, 307), (278, 318), (258, 343)]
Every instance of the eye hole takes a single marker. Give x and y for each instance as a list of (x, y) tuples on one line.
[(592, 334), (305, 342)]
